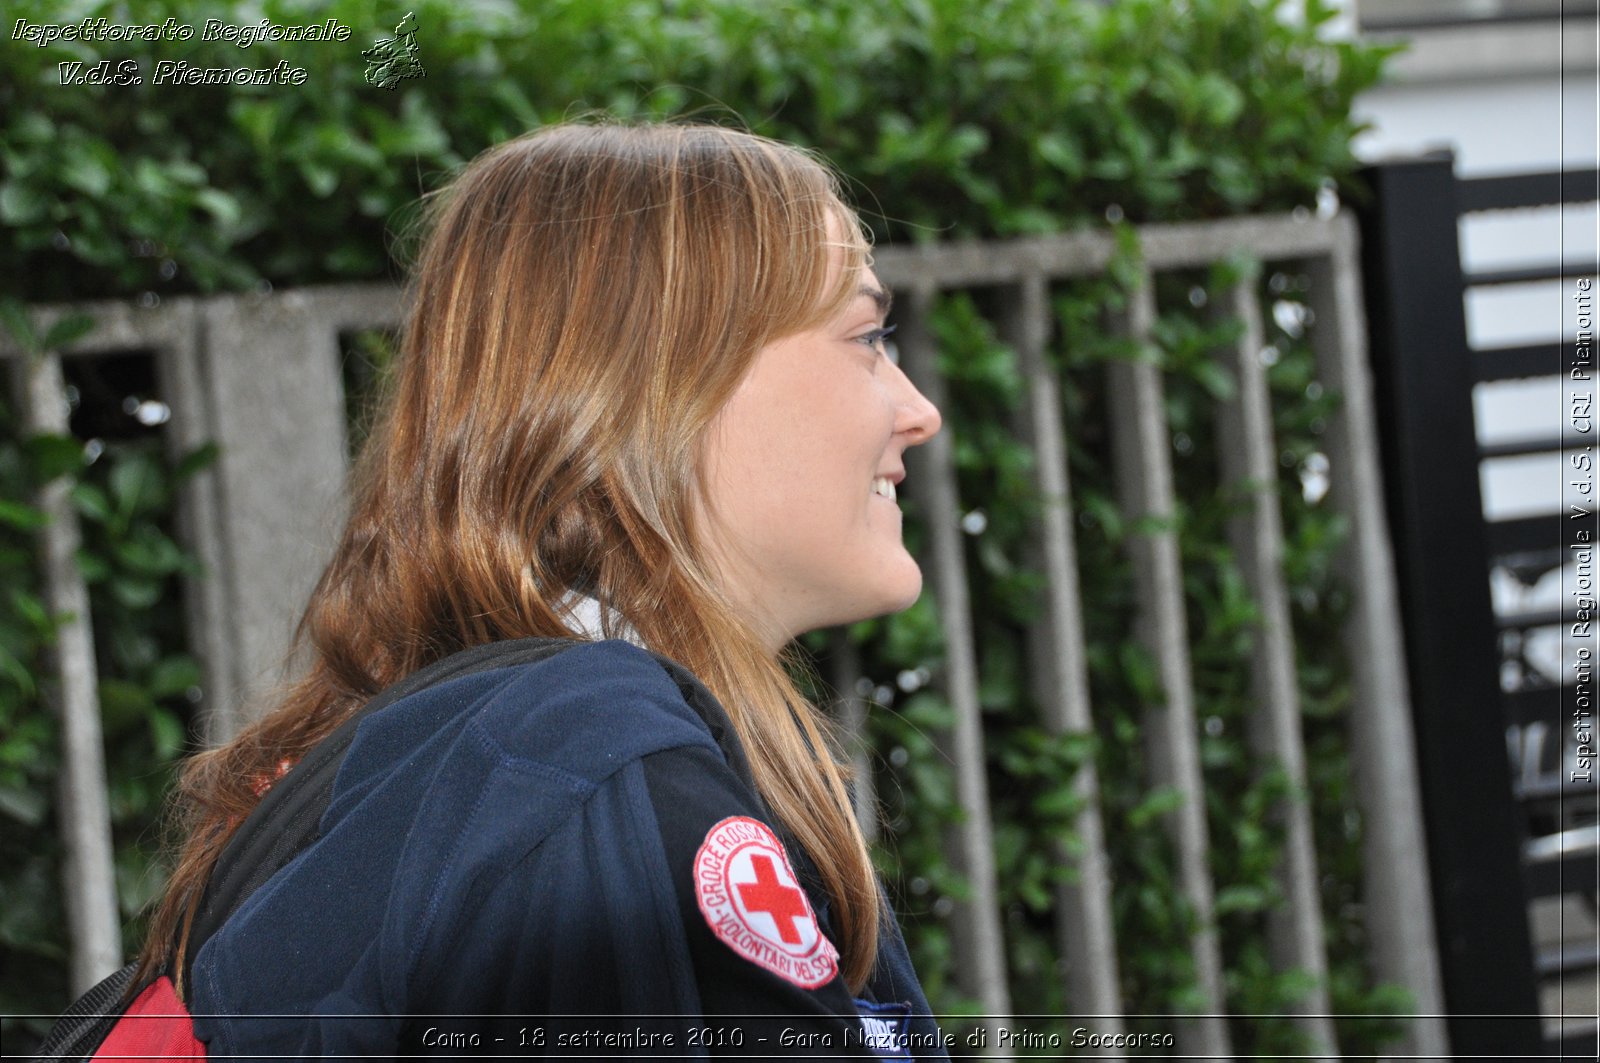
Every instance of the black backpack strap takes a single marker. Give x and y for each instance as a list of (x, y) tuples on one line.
[(288, 818), (80, 1029)]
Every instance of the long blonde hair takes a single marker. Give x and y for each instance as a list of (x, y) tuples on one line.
[(587, 299)]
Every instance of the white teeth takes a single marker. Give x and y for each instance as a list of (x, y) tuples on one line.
[(884, 486)]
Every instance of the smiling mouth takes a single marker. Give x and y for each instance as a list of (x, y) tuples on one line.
[(884, 487)]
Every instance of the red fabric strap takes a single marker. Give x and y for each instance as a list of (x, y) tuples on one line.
[(155, 1026)]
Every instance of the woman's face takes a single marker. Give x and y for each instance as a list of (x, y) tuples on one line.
[(800, 471)]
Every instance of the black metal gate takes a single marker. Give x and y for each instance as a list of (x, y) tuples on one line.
[(1501, 836)]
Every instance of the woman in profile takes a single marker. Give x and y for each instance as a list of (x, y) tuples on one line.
[(643, 402)]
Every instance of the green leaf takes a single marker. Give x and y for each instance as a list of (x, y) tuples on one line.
[(166, 734), (135, 483), (93, 567), (148, 553), (184, 172), (1240, 899), (1062, 152), (53, 455), (1059, 804), (123, 701), (69, 329), (199, 458), (31, 127), (1296, 985), (14, 316), (136, 593), (1142, 674), (321, 179), (259, 120), (85, 171), (92, 502), (17, 673), (25, 806), (423, 133), (173, 675), (1217, 381), (151, 179), (1220, 99), (32, 610), (221, 206), (22, 204), (1156, 803), (20, 516)]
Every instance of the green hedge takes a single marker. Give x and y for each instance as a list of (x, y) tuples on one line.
[(952, 120), (1010, 117)]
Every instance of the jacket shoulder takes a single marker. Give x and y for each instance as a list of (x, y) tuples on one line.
[(587, 710)]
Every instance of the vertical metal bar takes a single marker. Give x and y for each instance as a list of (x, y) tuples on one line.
[(1144, 483), (979, 945), (844, 671), (1422, 405), (88, 875), (181, 376), (1249, 468), (260, 376), (276, 398), (1058, 664), (1400, 922)]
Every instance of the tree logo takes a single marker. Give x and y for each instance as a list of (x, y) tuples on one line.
[(393, 59)]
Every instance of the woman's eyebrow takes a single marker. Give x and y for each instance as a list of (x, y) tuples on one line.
[(882, 296)]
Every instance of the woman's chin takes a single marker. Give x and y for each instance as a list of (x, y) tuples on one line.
[(898, 590)]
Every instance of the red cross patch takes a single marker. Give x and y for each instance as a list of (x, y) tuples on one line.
[(749, 894)]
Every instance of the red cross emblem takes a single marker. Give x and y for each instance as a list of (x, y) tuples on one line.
[(767, 894), (752, 900)]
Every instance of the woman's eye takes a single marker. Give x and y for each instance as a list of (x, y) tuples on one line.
[(875, 338)]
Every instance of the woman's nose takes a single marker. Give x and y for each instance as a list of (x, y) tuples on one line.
[(918, 417)]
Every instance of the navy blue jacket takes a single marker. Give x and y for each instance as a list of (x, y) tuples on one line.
[(509, 865)]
